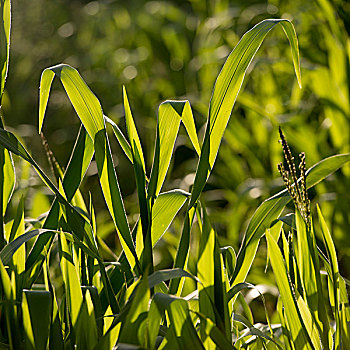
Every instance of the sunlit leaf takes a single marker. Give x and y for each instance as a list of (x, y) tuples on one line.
[(298, 332), (5, 13), (37, 308), (165, 208), (226, 89), (132, 132)]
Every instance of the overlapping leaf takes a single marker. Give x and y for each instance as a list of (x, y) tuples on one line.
[(90, 113)]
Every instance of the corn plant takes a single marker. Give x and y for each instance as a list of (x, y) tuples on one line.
[(127, 303), (305, 307)]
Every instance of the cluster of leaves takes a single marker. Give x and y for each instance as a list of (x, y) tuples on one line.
[(127, 302), (156, 38)]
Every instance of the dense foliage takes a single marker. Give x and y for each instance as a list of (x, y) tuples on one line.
[(159, 261)]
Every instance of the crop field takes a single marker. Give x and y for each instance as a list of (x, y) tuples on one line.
[(175, 175)]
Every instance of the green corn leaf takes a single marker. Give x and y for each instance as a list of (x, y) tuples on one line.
[(133, 329), (226, 89), (306, 262), (285, 330), (120, 137), (269, 211), (83, 100), (110, 335), (7, 177), (215, 334), (298, 331), (78, 164), (155, 315), (110, 187), (229, 257), (96, 305), (165, 208), (224, 95), (7, 184), (212, 291), (90, 113), (308, 267), (160, 276), (188, 121), (260, 337), (345, 313), (6, 283), (71, 281), (8, 298), (182, 251), (131, 129), (239, 287), (206, 273), (27, 325), (5, 12), (17, 230), (170, 114), (10, 249), (333, 274), (37, 311), (309, 322), (56, 338), (86, 336), (181, 333), (147, 256), (324, 168), (167, 130), (76, 169)]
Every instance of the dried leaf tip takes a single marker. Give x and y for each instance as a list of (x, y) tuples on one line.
[(296, 187)]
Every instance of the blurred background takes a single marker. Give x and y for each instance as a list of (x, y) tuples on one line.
[(174, 50)]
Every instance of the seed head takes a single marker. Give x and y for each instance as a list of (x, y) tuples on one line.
[(296, 188)]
